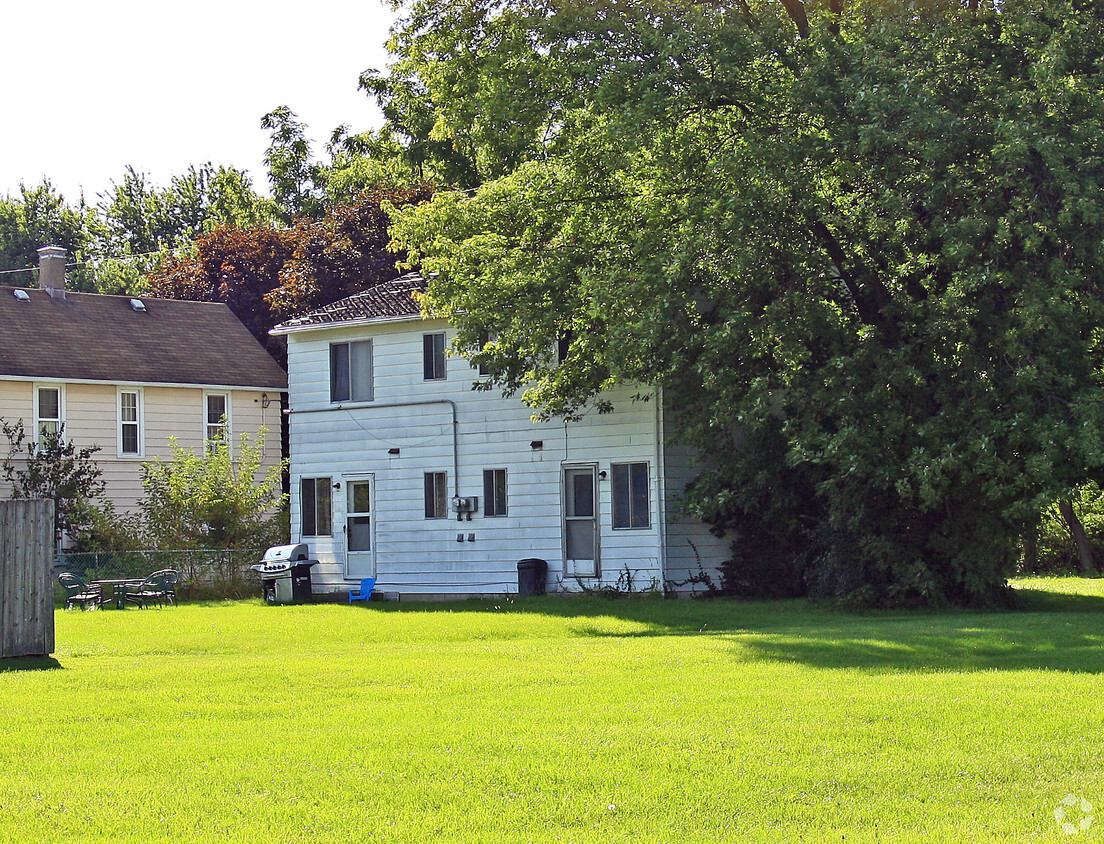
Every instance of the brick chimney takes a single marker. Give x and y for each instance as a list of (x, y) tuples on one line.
[(51, 271)]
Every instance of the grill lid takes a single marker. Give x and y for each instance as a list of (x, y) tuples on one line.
[(285, 553)]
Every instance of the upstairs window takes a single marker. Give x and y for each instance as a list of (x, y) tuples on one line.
[(494, 492), (630, 495), (563, 346), (130, 422), (433, 356), (48, 411), (484, 339), (315, 502), (351, 371), (216, 417)]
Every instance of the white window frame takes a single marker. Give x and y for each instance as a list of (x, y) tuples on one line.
[(38, 419), (434, 359), (482, 370), (323, 482), (350, 358), (139, 422), (438, 508), (228, 428), (631, 516), (493, 508)]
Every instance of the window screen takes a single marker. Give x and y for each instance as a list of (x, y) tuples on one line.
[(630, 495), (436, 495), (314, 498), (494, 492)]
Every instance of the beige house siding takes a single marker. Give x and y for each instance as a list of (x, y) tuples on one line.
[(91, 416)]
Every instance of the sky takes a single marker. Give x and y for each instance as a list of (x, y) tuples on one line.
[(90, 87)]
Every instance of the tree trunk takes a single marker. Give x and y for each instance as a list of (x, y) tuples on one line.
[(1077, 531), (1030, 560)]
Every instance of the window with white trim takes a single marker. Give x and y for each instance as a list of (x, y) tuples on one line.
[(436, 495), (484, 341), (433, 356), (494, 492), (351, 371), (130, 423), (630, 495), (316, 506), (216, 417), (49, 408)]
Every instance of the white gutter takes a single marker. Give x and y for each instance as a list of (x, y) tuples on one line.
[(345, 323)]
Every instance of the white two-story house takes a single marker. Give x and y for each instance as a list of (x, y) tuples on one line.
[(399, 470)]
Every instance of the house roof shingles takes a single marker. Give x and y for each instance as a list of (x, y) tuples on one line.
[(387, 300), (95, 337)]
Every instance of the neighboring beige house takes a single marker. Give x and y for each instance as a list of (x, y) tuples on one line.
[(126, 374)]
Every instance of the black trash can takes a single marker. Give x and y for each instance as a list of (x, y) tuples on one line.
[(531, 576)]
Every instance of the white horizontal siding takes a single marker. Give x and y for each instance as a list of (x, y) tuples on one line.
[(691, 548), (415, 555)]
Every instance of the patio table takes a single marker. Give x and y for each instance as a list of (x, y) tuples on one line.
[(118, 588)]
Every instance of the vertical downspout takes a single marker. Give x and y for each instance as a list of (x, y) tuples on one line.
[(661, 478)]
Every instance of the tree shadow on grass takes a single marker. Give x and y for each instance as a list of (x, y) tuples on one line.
[(1045, 631), (29, 663)]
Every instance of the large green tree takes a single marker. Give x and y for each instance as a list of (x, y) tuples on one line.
[(468, 96), (267, 274), (858, 247), (112, 244), (40, 216)]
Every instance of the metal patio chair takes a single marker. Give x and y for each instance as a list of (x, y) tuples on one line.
[(79, 592), (159, 588)]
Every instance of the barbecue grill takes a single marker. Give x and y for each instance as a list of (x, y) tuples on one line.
[(285, 572)]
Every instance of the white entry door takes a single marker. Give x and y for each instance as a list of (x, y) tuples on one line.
[(360, 527), (581, 521)]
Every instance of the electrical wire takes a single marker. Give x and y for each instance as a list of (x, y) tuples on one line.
[(97, 261)]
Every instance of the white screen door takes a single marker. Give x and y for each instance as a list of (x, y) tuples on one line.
[(360, 540), (581, 521)]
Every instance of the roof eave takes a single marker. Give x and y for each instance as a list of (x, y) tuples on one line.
[(345, 323)]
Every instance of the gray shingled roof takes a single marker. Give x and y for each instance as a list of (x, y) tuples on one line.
[(386, 300), (92, 337)]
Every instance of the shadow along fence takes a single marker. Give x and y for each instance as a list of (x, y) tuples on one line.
[(26, 589), (204, 572)]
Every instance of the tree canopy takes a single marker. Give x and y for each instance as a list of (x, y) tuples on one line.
[(267, 274), (858, 247)]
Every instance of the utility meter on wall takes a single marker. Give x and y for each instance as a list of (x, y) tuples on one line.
[(465, 506)]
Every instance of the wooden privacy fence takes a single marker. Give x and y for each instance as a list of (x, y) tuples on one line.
[(26, 578)]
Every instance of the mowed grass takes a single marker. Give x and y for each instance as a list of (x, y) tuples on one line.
[(559, 719)]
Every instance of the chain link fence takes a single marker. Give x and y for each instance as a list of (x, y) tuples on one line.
[(204, 572)]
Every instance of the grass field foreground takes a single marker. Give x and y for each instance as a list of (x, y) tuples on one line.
[(553, 719)]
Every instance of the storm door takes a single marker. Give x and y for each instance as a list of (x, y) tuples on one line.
[(580, 521), (360, 545)]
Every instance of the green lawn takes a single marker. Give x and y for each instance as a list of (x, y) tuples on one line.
[(560, 720)]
